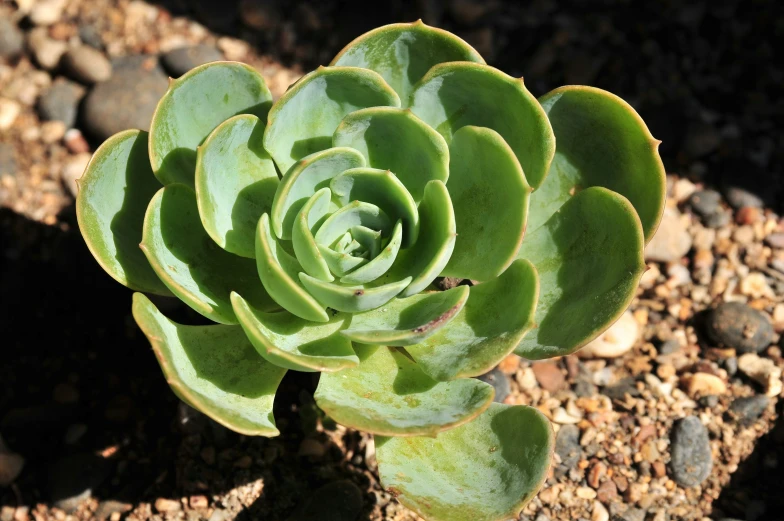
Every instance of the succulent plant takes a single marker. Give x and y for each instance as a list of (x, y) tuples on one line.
[(311, 230)]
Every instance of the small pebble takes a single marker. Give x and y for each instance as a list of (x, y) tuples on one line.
[(737, 325), (691, 462), (61, 102), (87, 64), (181, 60), (614, 342), (73, 170), (549, 376), (762, 370), (717, 220), (739, 197), (47, 51), (52, 131), (500, 383), (11, 40), (47, 12), (9, 111), (166, 506), (748, 409), (670, 346), (567, 446), (8, 164), (75, 142), (703, 384), (775, 240), (705, 202), (671, 241)]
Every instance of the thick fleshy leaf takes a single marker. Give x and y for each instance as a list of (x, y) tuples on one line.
[(305, 247), (194, 105), (403, 53), (453, 95), (407, 321), (113, 195), (496, 316), (279, 274), (435, 242), (307, 176), (589, 256), (490, 196), (214, 369), (356, 213), (189, 262), (383, 133), (485, 470), (601, 141), (385, 190), (305, 117), (291, 342), (235, 183), (380, 263), (388, 394), (352, 299), (341, 263)]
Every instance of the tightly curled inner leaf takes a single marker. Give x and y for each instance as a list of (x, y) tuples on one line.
[(311, 230)]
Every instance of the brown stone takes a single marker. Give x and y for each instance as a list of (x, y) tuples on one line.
[(549, 376), (607, 491)]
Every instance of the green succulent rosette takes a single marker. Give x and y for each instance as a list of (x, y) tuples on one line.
[(311, 229)]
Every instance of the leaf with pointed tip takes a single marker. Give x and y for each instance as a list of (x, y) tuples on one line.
[(407, 321), (279, 271), (485, 470), (214, 369), (303, 120), (589, 256), (291, 342), (379, 264), (495, 317), (388, 394), (113, 195), (302, 180), (453, 95), (341, 263), (189, 262), (403, 53), (356, 213), (194, 105), (352, 299), (235, 183), (435, 242), (601, 141), (383, 189), (305, 247), (484, 174), (382, 133)]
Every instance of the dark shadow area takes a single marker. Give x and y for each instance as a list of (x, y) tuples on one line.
[(83, 400)]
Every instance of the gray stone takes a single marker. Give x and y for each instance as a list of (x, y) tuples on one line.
[(691, 461), (717, 220), (61, 102), (705, 202), (621, 389), (86, 64), (500, 383), (567, 446), (671, 241), (127, 100), (179, 61), (669, 347), (738, 196), (90, 35), (632, 514), (336, 501), (748, 409), (8, 164), (11, 40), (737, 325)]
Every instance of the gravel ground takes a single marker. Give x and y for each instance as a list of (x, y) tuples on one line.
[(669, 415)]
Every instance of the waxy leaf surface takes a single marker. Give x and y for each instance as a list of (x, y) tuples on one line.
[(194, 105), (113, 195), (214, 369), (388, 394), (485, 470), (589, 259)]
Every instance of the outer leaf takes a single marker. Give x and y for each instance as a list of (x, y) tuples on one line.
[(589, 256), (407, 321), (486, 470), (214, 369), (382, 133), (303, 119), (279, 275), (385, 190), (189, 262), (235, 183), (453, 95), (403, 53), (388, 394), (496, 316), (194, 105), (291, 342), (425, 260), (352, 299), (602, 141), (303, 180), (113, 194), (485, 175)]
